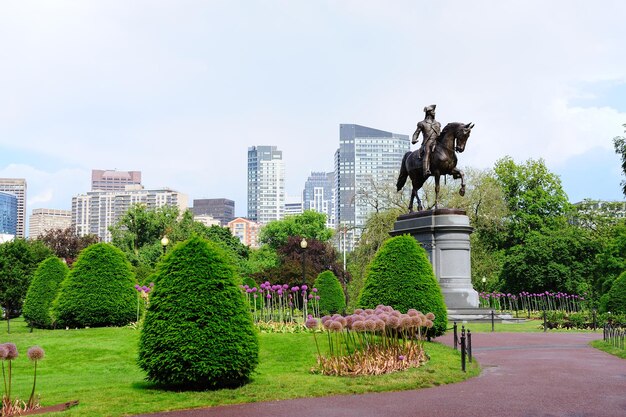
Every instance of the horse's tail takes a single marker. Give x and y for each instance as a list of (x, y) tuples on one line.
[(404, 173)]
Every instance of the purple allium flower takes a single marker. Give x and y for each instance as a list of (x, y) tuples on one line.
[(145, 289), (11, 351), (370, 325), (285, 286), (326, 318), (358, 311), (3, 352), (248, 290), (256, 295), (35, 353), (296, 288), (317, 297), (358, 325), (310, 296), (412, 312), (255, 289), (269, 296), (311, 323), (314, 290), (430, 316), (304, 288), (335, 326), (152, 284), (280, 291), (401, 357)]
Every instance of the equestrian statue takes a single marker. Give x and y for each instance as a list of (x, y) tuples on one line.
[(436, 156)]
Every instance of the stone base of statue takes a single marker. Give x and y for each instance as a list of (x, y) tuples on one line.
[(445, 235)]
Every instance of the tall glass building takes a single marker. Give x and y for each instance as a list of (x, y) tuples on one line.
[(266, 184), (318, 195), (17, 187), (8, 214), (366, 158)]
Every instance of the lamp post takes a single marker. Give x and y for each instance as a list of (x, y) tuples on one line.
[(484, 281), (303, 245), (164, 242)]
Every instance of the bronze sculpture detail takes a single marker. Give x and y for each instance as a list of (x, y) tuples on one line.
[(436, 157)]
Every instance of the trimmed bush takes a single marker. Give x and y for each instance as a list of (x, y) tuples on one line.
[(99, 290), (616, 299), (332, 299), (198, 331), (401, 276), (42, 292)]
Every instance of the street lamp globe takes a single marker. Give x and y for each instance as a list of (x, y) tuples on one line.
[(303, 243), (165, 241)]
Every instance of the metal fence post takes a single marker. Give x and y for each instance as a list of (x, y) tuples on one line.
[(493, 324), (456, 340), (469, 345), (463, 349)]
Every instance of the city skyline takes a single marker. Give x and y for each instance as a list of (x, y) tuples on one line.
[(179, 92)]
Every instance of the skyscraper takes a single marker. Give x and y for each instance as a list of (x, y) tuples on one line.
[(17, 187), (8, 216), (43, 219), (266, 184), (366, 157), (94, 212), (112, 180), (221, 209), (318, 195)]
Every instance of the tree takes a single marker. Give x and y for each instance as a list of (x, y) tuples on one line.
[(619, 142), (99, 290), (534, 197), (42, 292), (66, 244), (18, 260), (401, 276), (332, 297), (554, 260), (198, 331), (616, 297), (310, 225)]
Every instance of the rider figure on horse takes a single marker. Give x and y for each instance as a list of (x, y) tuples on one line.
[(430, 129)]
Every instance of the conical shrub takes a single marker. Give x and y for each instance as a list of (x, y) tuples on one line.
[(42, 292), (616, 299), (332, 299), (198, 331), (99, 290), (401, 276)]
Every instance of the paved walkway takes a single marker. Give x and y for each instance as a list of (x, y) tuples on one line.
[(524, 374)]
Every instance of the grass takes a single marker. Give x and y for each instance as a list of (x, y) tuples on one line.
[(97, 367), (609, 348)]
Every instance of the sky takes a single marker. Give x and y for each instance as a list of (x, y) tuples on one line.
[(180, 89)]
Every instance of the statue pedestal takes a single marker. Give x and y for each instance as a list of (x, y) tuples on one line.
[(444, 234)]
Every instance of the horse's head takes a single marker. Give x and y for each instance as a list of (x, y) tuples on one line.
[(461, 135)]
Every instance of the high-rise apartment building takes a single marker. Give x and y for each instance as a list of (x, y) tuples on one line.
[(221, 209), (43, 219), (293, 205), (266, 184), (8, 216), (366, 157), (318, 195), (112, 180), (17, 187), (94, 212)]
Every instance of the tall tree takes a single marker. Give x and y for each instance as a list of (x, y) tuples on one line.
[(66, 244), (534, 197), (310, 225), (18, 260), (620, 148)]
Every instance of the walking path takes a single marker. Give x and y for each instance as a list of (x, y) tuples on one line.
[(524, 374)]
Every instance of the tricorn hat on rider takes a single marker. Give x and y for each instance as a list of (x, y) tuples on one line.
[(430, 108)]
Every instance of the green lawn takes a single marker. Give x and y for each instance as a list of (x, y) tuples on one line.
[(608, 348), (97, 367)]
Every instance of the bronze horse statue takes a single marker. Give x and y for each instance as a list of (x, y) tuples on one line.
[(443, 161)]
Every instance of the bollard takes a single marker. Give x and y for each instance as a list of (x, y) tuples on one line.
[(493, 324), (456, 340), (463, 350), (469, 345)]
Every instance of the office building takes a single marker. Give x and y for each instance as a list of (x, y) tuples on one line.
[(94, 212), (266, 184), (113, 180), (246, 230), (8, 216), (293, 205), (207, 220), (17, 187), (318, 195), (221, 209), (366, 158), (43, 219)]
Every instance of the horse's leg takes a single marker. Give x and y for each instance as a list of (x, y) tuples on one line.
[(437, 177), (457, 173), (413, 194), (419, 202)]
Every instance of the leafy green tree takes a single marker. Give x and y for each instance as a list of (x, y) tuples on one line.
[(99, 290), (611, 259), (620, 148), (66, 244), (534, 197), (557, 260), (332, 298), (616, 297), (42, 292), (198, 331), (401, 276), (18, 260), (310, 225)]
